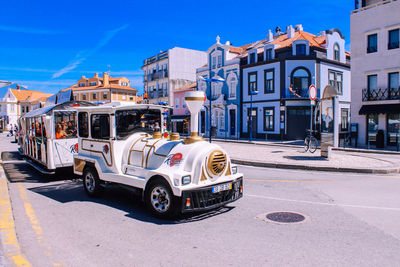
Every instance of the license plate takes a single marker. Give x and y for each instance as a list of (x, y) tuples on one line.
[(221, 187)]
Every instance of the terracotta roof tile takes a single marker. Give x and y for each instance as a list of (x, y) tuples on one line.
[(27, 95), (190, 86), (99, 87)]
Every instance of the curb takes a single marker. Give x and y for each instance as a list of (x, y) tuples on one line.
[(314, 168), (367, 151)]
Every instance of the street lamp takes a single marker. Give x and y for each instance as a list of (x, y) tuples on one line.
[(210, 81), (251, 115)]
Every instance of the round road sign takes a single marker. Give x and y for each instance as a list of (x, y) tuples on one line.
[(312, 92)]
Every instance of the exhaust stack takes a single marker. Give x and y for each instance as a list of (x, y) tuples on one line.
[(194, 101)]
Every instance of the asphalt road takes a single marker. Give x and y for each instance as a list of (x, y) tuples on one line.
[(351, 220)]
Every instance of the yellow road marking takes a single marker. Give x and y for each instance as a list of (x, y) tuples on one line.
[(30, 212), (283, 180), (7, 227)]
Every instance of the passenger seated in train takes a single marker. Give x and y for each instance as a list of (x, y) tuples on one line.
[(60, 134)]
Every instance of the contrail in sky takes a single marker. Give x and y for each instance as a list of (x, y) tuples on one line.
[(83, 55)]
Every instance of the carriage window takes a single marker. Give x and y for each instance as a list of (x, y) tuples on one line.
[(65, 124), (83, 124), (137, 120), (100, 126)]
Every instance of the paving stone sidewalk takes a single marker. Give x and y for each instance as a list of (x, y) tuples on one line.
[(294, 157)]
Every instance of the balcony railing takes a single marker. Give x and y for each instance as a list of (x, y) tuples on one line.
[(298, 94), (381, 94), (158, 94), (156, 75)]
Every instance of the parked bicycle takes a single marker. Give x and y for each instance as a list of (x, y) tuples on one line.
[(310, 142)]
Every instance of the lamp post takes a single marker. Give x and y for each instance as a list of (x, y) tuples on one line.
[(251, 115), (210, 81)]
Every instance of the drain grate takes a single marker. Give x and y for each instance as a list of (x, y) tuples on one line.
[(285, 217)]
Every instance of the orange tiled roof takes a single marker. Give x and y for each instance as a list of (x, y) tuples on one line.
[(28, 95), (236, 50), (190, 86), (282, 41), (99, 87)]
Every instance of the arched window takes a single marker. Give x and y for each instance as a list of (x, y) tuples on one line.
[(336, 52), (301, 80)]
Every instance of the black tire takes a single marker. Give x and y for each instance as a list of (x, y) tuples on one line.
[(313, 145), (160, 200), (91, 182)]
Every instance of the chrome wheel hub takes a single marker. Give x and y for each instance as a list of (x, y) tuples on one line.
[(160, 199), (89, 182)]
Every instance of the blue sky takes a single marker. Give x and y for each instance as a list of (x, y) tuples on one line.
[(48, 45)]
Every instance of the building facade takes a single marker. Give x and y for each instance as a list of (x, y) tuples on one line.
[(181, 116), (375, 48), (170, 70), (16, 103), (222, 63), (276, 75), (103, 89)]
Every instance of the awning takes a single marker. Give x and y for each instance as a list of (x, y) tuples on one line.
[(380, 109), (178, 118)]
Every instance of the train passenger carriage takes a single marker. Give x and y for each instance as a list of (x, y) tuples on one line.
[(48, 136)]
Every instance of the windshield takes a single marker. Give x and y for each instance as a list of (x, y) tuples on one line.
[(137, 120)]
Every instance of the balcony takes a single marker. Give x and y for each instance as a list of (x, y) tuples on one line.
[(156, 75), (381, 94), (298, 94)]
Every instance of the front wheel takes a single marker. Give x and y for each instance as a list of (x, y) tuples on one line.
[(160, 200), (92, 183)]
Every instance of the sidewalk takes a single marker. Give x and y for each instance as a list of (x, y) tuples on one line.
[(292, 156)]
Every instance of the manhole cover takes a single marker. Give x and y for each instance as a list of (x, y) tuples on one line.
[(285, 217)]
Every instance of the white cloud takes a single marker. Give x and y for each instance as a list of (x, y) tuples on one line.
[(83, 55)]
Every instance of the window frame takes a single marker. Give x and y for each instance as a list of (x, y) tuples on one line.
[(336, 73), (265, 81), (336, 52), (292, 78), (369, 50), (248, 81), (79, 123), (398, 79), (102, 128), (271, 129), (369, 83), (390, 47), (298, 51), (253, 56), (268, 54), (347, 119)]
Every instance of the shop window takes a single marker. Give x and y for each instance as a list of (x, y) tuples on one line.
[(345, 119), (83, 124), (100, 126), (393, 126), (268, 119), (372, 122)]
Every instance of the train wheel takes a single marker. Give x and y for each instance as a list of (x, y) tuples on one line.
[(160, 200), (92, 183)]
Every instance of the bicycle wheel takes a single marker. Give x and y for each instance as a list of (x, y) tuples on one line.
[(306, 144), (313, 144)]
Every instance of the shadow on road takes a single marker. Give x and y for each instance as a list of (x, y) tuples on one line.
[(119, 198), (11, 155), (305, 158)]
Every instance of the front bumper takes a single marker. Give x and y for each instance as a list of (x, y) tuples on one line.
[(204, 199)]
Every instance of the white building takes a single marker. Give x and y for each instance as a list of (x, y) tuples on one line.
[(375, 68), (170, 70), (280, 69)]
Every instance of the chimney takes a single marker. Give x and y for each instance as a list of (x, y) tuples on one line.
[(106, 79), (96, 75), (299, 27), (17, 86), (227, 43), (290, 32), (270, 36)]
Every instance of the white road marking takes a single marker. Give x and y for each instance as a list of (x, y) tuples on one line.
[(325, 204)]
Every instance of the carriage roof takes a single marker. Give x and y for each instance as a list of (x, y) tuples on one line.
[(122, 106), (59, 107)]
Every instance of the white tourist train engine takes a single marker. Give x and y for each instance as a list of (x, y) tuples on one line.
[(124, 144)]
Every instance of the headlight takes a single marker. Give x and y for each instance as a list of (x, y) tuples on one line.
[(186, 179), (234, 169)]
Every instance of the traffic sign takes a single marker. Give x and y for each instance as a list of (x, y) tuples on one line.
[(312, 92)]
